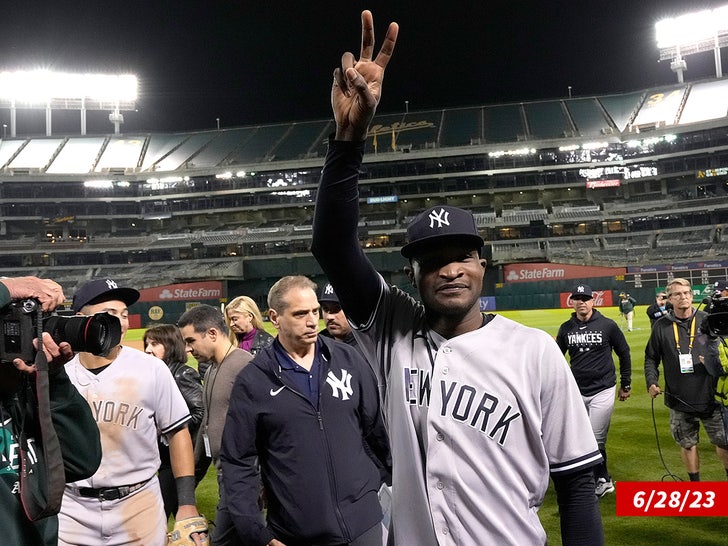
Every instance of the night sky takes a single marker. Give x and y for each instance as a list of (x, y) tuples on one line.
[(271, 61)]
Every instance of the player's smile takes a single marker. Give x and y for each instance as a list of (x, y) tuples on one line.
[(453, 288)]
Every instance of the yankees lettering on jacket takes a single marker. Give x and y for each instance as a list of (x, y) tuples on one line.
[(463, 403), (584, 338)]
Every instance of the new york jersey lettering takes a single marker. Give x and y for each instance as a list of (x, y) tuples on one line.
[(417, 387), (466, 404), (120, 413)]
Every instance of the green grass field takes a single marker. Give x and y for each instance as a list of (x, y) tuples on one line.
[(632, 454)]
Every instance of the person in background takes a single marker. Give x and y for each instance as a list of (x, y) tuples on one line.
[(689, 385), (714, 331), (246, 325), (207, 337), (300, 415), (134, 399), (481, 410), (165, 342), (658, 308), (336, 325), (20, 425), (626, 308), (590, 338)]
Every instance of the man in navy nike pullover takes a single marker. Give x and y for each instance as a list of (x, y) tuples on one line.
[(300, 414)]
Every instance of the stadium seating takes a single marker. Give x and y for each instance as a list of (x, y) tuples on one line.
[(601, 180)]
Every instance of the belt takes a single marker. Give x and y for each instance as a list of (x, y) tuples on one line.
[(111, 493)]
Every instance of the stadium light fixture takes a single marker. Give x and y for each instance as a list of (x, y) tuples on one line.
[(692, 33), (44, 89)]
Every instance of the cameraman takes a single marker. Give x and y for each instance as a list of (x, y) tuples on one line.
[(19, 417), (715, 327), (658, 308), (689, 386)]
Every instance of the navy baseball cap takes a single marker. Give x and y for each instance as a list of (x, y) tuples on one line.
[(100, 290), (719, 286), (439, 224), (581, 292), (327, 294)]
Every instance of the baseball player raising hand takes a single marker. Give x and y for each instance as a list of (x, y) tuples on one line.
[(480, 409)]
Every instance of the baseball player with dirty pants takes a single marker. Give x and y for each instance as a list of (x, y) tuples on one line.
[(480, 410), (134, 399)]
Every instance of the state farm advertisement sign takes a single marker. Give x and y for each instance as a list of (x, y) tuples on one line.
[(208, 290), (553, 272), (602, 298)]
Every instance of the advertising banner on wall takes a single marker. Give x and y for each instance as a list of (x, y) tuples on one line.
[(207, 290), (487, 303), (552, 272), (165, 304)]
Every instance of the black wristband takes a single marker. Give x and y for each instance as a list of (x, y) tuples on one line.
[(626, 388), (185, 490)]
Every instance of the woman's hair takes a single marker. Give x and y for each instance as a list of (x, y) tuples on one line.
[(243, 304), (175, 348)]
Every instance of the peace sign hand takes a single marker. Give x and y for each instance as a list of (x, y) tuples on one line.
[(357, 86)]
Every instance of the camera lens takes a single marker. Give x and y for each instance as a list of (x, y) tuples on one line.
[(718, 323), (95, 334)]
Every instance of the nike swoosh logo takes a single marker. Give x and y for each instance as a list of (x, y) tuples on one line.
[(582, 327), (276, 392)]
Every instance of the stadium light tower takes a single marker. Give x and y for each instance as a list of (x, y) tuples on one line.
[(692, 33), (43, 89)]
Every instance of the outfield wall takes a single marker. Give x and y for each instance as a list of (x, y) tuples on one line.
[(547, 294)]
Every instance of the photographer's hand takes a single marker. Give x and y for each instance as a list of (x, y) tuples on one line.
[(57, 355), (49, 293)]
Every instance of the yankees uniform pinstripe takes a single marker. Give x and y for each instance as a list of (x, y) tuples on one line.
[(133, 400), (515, 407)]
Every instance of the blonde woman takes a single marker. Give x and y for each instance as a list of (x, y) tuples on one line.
[(246, 325)]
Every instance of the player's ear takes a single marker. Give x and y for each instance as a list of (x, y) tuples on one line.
[(410, 272), (273, 317)]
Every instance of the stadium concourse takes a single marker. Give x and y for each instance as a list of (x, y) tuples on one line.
[(632, 186)]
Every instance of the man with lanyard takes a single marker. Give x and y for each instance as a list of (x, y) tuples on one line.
[(689, 387)]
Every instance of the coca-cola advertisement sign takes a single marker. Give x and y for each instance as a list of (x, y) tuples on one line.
[(602, 298)]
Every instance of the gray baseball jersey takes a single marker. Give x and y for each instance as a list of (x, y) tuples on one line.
[(133, 401), (484, 417)]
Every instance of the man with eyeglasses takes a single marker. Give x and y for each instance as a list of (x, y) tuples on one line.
[(689, 387), (658, 308)]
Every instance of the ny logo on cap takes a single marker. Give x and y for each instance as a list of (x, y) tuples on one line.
[(442, 218), (328, 289), (580, 289), (111, 284)]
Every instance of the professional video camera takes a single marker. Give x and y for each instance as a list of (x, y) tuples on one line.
[(716, 323), (24, 320)]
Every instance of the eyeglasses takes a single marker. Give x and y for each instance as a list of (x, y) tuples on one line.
[(686, 294), (661, 297)]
